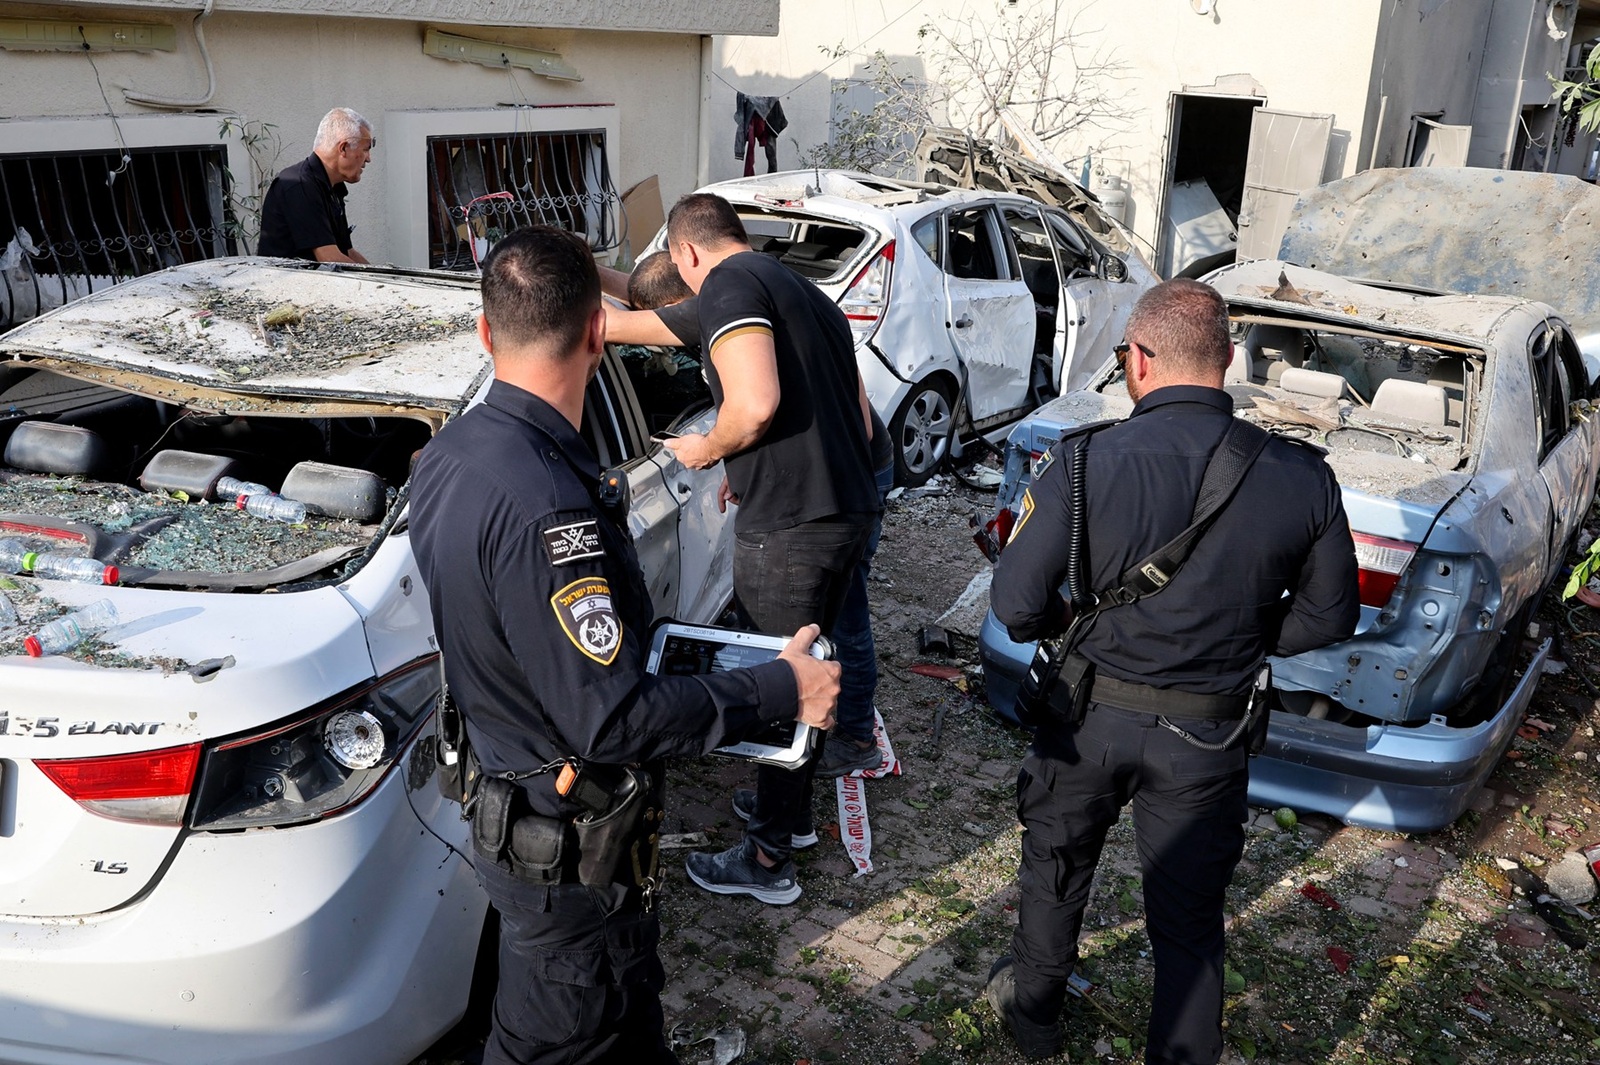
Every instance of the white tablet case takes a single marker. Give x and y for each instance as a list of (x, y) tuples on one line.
[(693, 650)]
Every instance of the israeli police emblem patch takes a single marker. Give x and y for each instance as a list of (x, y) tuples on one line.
[(589, 619)]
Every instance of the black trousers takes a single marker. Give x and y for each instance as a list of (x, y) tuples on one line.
[(1188, 813), (580, 980), (782, 580)]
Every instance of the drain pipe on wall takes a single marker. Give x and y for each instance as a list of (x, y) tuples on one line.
[(702, 162), (174, 103)]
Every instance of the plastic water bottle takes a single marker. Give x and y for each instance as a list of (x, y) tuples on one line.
[(72, 568), (8, 612), (273, 508), (63, 634), (233, 488), (14, 555)]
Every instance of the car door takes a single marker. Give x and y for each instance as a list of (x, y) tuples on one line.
[(1095, 312), (669, 387), (989, 311), (1566, 443), (614, 429)]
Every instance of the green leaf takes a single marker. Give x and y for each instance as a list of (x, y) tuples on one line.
[(1232, 981)]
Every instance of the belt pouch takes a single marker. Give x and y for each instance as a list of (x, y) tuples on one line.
[(1069, 696), (604, 839), (491, 817), (1033, 694), (537, 844)]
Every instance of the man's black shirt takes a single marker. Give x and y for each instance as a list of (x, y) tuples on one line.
[(303, 211), (813, 461), (1208, 631), (542, 611)]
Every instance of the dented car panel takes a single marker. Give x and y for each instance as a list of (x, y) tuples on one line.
[(1462, 432), (968, 305), (247, 886)]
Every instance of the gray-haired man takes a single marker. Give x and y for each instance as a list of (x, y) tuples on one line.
[(302, 216)]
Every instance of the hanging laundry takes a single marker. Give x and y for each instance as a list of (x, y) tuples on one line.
[(757, 120)]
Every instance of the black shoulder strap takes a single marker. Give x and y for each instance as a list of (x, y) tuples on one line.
[(1241, 445)]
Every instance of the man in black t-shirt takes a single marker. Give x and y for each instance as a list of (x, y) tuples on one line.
[(303, 215), (792, 428)]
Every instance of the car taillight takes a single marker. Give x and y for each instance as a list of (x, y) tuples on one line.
[(318, 763), (867, 297), (1381, 562), (149, 786)]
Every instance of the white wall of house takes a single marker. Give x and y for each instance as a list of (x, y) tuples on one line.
[(1370, 64), (288, 70)]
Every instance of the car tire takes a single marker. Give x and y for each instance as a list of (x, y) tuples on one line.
[(921, 431)]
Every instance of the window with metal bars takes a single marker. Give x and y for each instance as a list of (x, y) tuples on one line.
[(482, 187), (72, 223)]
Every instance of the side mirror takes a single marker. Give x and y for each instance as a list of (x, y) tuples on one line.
[(1112, 269)]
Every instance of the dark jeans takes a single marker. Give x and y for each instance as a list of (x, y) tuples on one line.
[(1188, 814), (580, 982), (783, 580), (852, 637)]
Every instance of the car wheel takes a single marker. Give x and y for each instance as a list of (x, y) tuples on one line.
[(921, 430)]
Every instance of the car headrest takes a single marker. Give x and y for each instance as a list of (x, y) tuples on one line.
[(1414, 400), (1312, 383), (68, 450)]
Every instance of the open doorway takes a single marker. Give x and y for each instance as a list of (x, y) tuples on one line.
[(1208, 143)]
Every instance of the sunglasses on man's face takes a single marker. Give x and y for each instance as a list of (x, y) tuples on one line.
[(1122, 349)]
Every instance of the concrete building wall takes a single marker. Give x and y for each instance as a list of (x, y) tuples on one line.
[(287, 71), (1165, 45), (1427, 62)]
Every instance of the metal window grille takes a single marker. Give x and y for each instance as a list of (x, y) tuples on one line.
[(480, 188), (72, 223)]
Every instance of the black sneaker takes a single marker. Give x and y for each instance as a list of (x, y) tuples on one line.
[(1035, 1040), (736, 871), (843, 756), (744, 804)]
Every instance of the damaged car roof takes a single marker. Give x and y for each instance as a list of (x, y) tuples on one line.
[(275, 328), (1494, 232)]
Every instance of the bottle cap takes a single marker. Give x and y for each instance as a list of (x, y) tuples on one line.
[(31, 645), (28, 560), (110, 575), (238, 504)]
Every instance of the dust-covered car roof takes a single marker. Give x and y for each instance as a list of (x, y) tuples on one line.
[(269, 327)]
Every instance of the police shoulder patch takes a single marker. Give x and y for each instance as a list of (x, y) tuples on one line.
[(589, 618), (1027, 512), (573, 542)]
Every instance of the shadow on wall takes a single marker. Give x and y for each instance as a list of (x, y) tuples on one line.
[(810, 103)]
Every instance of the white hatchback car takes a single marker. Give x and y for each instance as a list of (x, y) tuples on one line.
[(219, 836), (969, 308)]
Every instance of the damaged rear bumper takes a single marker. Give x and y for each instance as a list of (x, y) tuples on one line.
[(1391, 777)]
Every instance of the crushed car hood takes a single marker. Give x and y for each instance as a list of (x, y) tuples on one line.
[(270, 327), (1493, 232)]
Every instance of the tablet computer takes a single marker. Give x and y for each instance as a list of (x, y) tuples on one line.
[(678, 650)]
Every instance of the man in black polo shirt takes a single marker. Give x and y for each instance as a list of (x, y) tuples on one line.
[(303, 216), (792, 419), (543, 618)]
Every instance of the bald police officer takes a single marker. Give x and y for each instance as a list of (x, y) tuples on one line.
[(1170, 675)]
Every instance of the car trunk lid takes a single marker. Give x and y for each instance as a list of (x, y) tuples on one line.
[(179, 670), (1469, 230)]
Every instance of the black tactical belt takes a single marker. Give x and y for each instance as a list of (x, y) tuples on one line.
[(1142, 698)]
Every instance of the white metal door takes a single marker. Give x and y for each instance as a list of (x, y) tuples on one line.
[(1287, 153)]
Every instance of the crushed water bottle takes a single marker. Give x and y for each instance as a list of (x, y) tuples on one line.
[(233, 488), (8, 612), (273, 508), (14, 555), (63, 634), (72, 568)]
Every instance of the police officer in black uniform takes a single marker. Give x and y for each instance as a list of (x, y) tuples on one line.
[(1169, 676), (543, 615)]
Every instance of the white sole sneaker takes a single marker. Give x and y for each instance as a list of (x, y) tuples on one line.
[(783, 893)]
